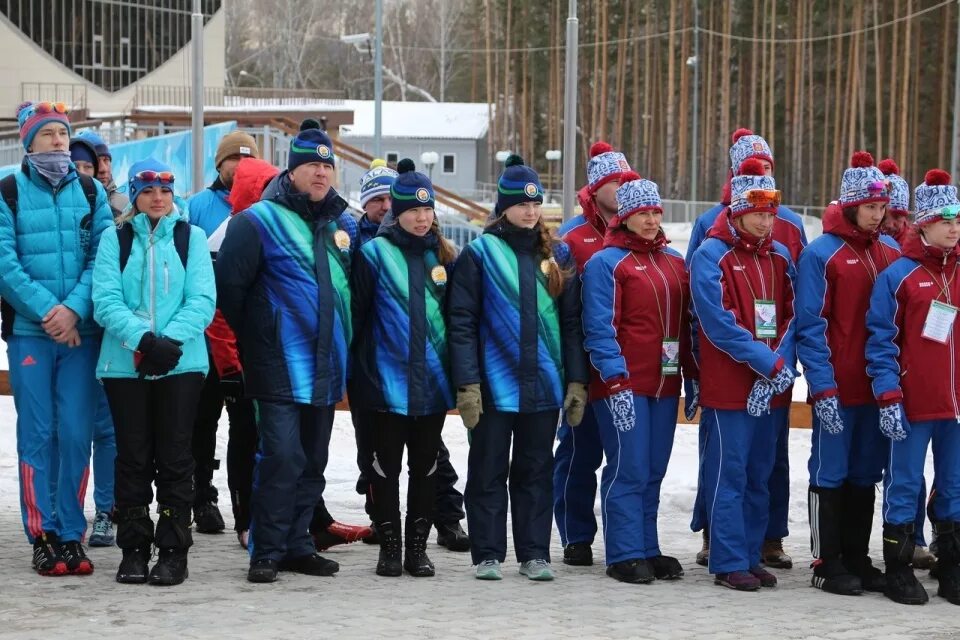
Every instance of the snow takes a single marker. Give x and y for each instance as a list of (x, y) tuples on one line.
[(446, 120)]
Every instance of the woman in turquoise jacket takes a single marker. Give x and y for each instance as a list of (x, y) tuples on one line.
[(154, 294)]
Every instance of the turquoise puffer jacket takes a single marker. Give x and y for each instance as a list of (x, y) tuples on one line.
[(154, 293), (47, 252)]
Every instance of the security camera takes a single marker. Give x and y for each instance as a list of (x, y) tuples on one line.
[(355, 39)]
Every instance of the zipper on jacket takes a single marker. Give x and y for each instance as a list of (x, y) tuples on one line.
[(666, 319), (953, 367), (166, 278), (153, 282)]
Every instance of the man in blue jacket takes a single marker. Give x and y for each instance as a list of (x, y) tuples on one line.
[(283, 285), (208, 209), (49, 233)]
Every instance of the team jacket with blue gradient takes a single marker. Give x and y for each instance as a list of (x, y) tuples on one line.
[(400, 354), (155, 292), (584, 233), (727, 274), (504, 329), (905, 366), (209, 208), (834, 280), (367, 229), (631, 290), (788, 230), (47, 252), (283, 284)]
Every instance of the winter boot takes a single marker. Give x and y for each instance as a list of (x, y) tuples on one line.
[(173, 538), (263, 571), (312, 564), (637, 571), (826, 543), (206, 513), (48, 556), (415, 559), (391, 560), (902, 585), (452, 536), (923, 559), (78, 564), (135, 566), (774, 556), (339, 533), (703, 556), (135, 537), (578, 554), (102, 534), (857, 524), (948, 564), (665, 567)]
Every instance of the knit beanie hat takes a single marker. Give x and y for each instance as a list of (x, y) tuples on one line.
[(933, 195), (310, 145), (236, 143), (82, 151), (863, 182), (99, 146), (517, 184), (605, 165), (752, 177), (635, 195), (137, 184), (899, 189), (376, 182), (746, 144), (410, 189), (32, 116)]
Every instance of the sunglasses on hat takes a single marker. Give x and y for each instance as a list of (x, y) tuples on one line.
[(51, 107), (878, 186), (763, 198), (163, 177)]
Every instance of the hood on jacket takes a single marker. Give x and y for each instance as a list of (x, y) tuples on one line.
[(249, 182), (835, 223), (915, 248), (590, 210)]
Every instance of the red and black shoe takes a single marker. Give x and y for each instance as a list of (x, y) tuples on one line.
[(339, 533), (47, 556), (74, 555)]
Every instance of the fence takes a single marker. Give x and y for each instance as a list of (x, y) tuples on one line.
[(182, 96), (74, 95)]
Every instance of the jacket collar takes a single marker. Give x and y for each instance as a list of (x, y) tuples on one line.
[(724, 229), (837, 224), (933, 258)]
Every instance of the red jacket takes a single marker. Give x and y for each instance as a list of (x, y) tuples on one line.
[(906, 366), (727, 273), (249, 181), (635, 293), (584, 233), (834, 279)]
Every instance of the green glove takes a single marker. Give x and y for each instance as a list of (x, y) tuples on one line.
[(575, 403), (469, 404)]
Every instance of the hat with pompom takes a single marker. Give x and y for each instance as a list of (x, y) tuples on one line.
[(311, 145), (605, 165), (745, 144), (933, 195), (410, 189), (899, 189), (862, 182), (635, 195), (752, 176), (517, 184), (376, 181), (33, 116)]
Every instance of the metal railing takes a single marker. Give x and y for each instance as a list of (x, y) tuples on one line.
[(181, 96), (74, 95)]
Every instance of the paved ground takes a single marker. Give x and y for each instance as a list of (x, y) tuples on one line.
[(582, 603)]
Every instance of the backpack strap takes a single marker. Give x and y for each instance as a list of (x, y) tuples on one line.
[(89, 190), (125, 240), (8, 189), (181, 240)]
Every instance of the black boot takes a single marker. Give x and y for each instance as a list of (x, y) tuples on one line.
[(206, 513), (415, 559), (391, 558), (857, 524), (948, 561), (173, 538), (135, 538), (826, 541), (452, 536), (637, 571), (578, 554), (902, 585), (665, 567)]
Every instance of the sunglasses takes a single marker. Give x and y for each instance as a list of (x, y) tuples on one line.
[(763, 197), (51, 107), (950, 212), (163, 177), (878, 186)]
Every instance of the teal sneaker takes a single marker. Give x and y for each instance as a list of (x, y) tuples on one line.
[(537, 570), (489, 570), (102, 535)]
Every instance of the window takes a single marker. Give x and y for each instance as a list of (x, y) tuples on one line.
[(124, 53), (393, 157), (449, 163), (97, 51)]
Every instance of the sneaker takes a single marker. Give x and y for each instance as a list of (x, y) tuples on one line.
[(310, 565), (339, 533), (489, 570), (78, 564), (207, 518), (538, 570), (923, 559), (452, 536), (134, 567), (243, 537), (263, 571), (578, 554), (636, 571), (102, 534), (47, 556), (774, 556), (703, 556), (738, 580), (766, 578), (665, 567)]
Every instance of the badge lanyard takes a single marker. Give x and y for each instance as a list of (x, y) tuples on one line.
[(938, 325), (872, 269), (761, 304), (669, 346)]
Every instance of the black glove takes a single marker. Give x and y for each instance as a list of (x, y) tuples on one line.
[(158, 355), (232, 387)]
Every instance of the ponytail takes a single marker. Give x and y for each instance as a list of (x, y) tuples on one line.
[(445, 251), (556, 275)]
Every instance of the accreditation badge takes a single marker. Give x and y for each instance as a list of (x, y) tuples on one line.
[(342, 239), (670, 357), (939, 322), (439, 275), (765, 318)]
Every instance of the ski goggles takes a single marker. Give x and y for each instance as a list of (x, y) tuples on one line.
[(50, 107), (163, 177), (762, 198), (878, 187), (950, 212)]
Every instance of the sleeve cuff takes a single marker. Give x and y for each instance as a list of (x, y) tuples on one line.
[(827, 393), (617, 384), (888, 398), (777, 368)]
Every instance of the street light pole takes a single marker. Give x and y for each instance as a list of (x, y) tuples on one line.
[(955, 142), (378, 81), (197, 120), (570, 112), (694, 159)]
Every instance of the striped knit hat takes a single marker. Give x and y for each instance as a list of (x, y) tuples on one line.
[(376, 182), (933, 195), (310, 145), (32, 116), (518, 183), (899, 189), (863, 182), (410, 189)]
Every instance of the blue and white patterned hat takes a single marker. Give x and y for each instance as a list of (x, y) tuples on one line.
[(605, 165), (637, 195), (862, 182), (376, 182), (752, 176), (746, 145), (933, 195), (899, 189)]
